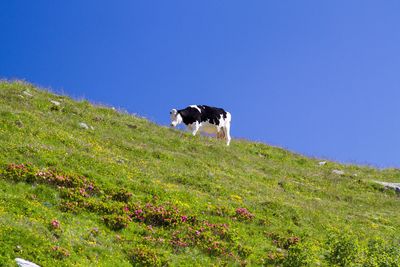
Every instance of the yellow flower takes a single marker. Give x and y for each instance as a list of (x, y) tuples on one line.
[(237, 198)]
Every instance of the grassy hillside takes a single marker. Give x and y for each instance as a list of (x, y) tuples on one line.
[(124, 191)]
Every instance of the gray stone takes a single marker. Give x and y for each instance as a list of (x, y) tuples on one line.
[(121, 161), (83, 125), (27, 93), (338, 172), (56, 103), (321, 163)]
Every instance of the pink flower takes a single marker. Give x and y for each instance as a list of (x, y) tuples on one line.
[(243, 214), (184, 218), (55, 224), (138, 212)]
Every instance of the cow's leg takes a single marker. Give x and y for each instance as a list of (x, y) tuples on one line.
[(195, 127), (228, 133), (221, 133)]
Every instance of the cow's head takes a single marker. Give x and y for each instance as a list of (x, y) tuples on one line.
[(176, 118)]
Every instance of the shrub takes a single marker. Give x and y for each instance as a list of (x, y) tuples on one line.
[(274, 257), (344, 249), (302, 254), (116, 222), (178, 242), (214, 239), (221, 211), (70, 206), (28, 173), (101, 207), (244, 251), (159, 215), (144, 256), (121, 195), (20, 172), (60, 252), (283, 242), (243, 214), (382, 253)]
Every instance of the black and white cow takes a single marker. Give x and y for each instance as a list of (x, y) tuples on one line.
[(204, 119)]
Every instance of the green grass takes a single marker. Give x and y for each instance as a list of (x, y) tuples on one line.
[(303, 214)]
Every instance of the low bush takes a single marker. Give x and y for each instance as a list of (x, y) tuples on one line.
[(121, 195), (343, 249), (116, 222), (161, 215), (59, 252), (144, 256), (243, 214)]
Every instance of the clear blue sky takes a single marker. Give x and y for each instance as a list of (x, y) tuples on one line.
[(321, 78)]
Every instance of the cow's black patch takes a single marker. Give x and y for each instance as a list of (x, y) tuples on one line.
[(210, 114)]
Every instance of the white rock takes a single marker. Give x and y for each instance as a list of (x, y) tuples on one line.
[(56, 103), (25, 263), (27, 93), (321, 163), (339, 172), (83, 125), (395, 186)]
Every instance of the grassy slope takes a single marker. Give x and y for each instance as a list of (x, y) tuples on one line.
[(290, 195)]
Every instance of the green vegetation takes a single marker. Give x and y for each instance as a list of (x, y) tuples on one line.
[(127, 192)]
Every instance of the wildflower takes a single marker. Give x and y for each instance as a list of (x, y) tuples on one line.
[(55, 224), (138, 212), (82, 191)]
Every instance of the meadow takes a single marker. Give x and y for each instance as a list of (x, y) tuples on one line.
[(90, 185)]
